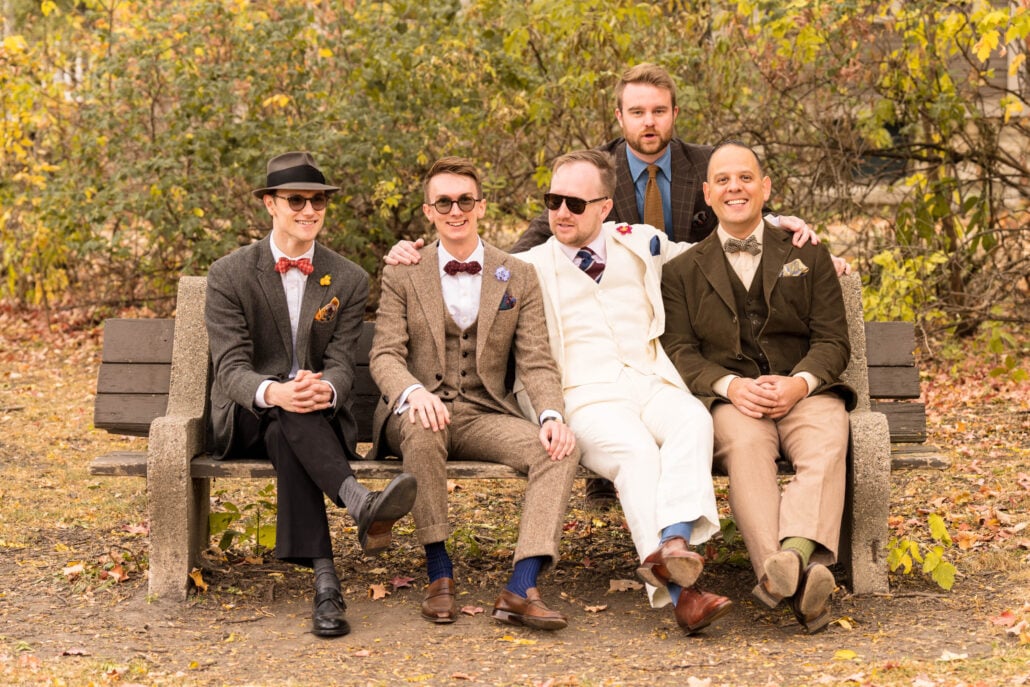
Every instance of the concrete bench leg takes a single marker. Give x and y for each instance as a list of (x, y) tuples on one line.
[(868, 503)]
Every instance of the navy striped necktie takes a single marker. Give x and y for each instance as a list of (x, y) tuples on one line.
[(589, 263)]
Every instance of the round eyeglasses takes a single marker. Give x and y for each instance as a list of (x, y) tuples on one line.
[(465, 204), (297, 202)]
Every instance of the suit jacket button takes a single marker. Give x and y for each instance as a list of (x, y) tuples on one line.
[(439, 378), (740, 357), (386, 399)]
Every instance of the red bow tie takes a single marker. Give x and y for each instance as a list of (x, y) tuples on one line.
[(283, 265), (453, 267)]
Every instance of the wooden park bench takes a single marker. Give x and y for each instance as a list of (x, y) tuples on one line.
[(155, 378)]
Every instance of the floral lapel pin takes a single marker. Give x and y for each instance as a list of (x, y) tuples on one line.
[(624, 229), (326, 280), (502, 273)]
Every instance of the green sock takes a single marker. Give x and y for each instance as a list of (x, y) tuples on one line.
[(806, 547)]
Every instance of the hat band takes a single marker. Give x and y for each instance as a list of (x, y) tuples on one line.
[(291, 175)]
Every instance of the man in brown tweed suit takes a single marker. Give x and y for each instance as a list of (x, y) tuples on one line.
[(445, 331)]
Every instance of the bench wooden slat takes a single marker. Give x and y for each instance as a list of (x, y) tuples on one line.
[(138, 341), (128, 413), (129, 378), (907, 421), (890, 344), (893, 382)]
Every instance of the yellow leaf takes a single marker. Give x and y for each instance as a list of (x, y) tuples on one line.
[(199, 212), (14, 44), (325, 52), (844, 655), (197, 575)]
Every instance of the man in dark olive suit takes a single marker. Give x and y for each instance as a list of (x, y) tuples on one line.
[(756, 327), (283, 317)]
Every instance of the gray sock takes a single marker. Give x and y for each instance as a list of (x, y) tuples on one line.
[(325, 575), (353, 496)]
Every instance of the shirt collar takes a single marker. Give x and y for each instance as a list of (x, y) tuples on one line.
[(444, 257), (638, 166), (276, 253), (597, 245)]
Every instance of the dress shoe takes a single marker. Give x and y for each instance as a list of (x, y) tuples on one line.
[(600, 492), (781, 578), (811, 601), (697, 609), (383, 508), (531, 611), (672, 562), (327, 614), (438, 606)]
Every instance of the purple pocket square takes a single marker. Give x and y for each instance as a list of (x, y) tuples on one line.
[(507, 302)]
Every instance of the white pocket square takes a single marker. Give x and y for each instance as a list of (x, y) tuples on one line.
[(794, 268)]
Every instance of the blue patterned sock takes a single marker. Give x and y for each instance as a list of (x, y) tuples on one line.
[(679, 529), (524, 575), (674, 592), (438, 563)]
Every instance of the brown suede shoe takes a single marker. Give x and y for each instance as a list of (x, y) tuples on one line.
[(438, 606), (697, 609), (674, 562), (531, 611), (781, 579), (811, 602)]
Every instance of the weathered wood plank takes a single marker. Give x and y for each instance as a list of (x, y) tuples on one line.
[(115, 411), (120, 464), (893, 382), (906, 419), (890, 343), (914, 456), (133, 378), (138, 341)]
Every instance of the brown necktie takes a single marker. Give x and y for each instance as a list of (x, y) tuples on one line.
[(653, 214)]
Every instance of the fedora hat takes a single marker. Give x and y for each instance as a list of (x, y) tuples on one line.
[(295, 171)]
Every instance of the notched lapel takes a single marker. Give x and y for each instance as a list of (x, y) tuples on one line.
[(271, 284), (490, 293), (425, 283), (777, 250), (710, 258)]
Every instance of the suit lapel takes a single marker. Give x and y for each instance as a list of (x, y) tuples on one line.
[(490, 292), (775, 252), (710, 258), (625, 199), (425, 278), (308, 307), (271, 284)]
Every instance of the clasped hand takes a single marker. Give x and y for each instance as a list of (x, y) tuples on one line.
[(305, 393), (768, 396)]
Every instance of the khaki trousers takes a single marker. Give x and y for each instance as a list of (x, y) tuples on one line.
[(814, 437)]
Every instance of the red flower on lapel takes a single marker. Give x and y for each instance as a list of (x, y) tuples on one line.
[(624, 229)]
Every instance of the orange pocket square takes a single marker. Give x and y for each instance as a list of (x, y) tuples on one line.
[(328, 311)]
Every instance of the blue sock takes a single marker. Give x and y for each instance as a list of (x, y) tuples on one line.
[(438, 563), (674, 592), (524, 575), (679, 529)]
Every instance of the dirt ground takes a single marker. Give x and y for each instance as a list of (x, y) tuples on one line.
[(74, 608)]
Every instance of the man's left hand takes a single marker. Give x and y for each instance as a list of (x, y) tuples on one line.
[(557, 438), (787, 390), (802, 232)]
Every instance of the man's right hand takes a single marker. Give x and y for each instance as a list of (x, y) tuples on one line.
[(427, 407), (305, 393), (404, 253), (750, 397)]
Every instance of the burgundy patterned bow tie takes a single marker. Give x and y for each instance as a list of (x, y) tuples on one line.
[(453, 267), (283, 265)]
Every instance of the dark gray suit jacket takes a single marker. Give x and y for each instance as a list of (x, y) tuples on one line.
[(248, 328), (692, 219)]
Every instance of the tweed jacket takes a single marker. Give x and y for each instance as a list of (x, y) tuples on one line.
[(692, 219), (806, 329), (409, 343), (646, 244), (248, 326)]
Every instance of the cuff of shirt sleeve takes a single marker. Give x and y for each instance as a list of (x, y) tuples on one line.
[(259, 395), (402, 402), (722, 385), (810, 379), (551, 415)]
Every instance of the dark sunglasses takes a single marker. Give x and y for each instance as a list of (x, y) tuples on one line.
[(297, 203), (575, 205), (465, 204)]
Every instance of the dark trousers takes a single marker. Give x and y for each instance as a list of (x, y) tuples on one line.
[(309, 460)]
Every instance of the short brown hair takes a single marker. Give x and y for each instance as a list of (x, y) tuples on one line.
[(452, 165), (602, 160), (646, 73)]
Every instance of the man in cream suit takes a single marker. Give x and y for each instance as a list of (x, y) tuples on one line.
[(756, 327), (445, 331), (283, 317)]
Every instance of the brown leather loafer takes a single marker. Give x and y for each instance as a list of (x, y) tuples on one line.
[(811, 602), (781, 579), (697, 609), (438, 606), (674, 562), (531, 611), (381, 510)]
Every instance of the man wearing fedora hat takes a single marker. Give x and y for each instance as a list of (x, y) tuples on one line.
[(283, 317)]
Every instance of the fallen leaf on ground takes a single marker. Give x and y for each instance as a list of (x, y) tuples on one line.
[(596, 609), (471, 610), (949, 656), (73, 570), (362, 653), (623, 585), (517, 640), (197, 575), (377, 591), (844, 655), (399, 582), (1005, 619)]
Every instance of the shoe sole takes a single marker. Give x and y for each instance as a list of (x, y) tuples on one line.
[(811, 609), (378, 537), (438, 620), (781, 579), (331, 633), (509, 618), (395, 502), (682, 571)]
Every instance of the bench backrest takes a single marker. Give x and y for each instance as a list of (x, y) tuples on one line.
[(155, 366)]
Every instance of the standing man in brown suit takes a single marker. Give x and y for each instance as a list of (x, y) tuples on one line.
[(756, 327), (445, 331), (283, 317)]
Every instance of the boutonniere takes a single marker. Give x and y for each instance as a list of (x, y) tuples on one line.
[(326, 280), (624, 229), (502, 273)]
